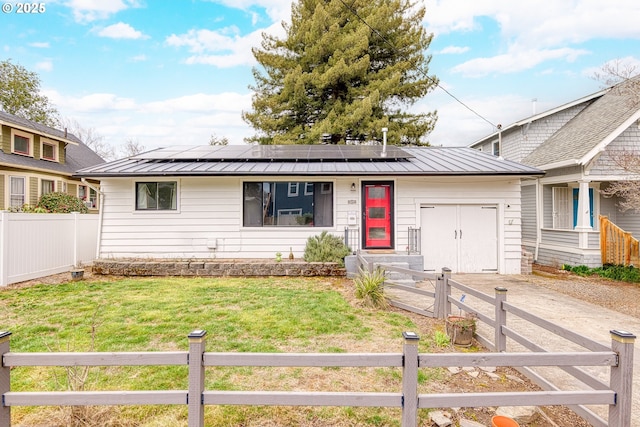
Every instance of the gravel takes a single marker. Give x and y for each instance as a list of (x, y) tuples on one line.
[(617, 296)]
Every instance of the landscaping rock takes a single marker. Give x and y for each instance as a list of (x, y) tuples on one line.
[(440, 418), (522, 414), (470, 423)]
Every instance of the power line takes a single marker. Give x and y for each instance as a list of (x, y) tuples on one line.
[(434, 82)]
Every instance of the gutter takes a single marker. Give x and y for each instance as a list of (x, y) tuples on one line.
[(100, 214)]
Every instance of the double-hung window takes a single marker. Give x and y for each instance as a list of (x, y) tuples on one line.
[(297, 204), (47, 186), (21, 143), (565, 207), (156, 196), (49, 151), (17, 190)]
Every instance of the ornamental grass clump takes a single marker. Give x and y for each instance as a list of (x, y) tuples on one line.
[(326, 247), (370, 288)]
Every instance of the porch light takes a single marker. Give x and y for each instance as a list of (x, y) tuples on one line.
[(353, 186)]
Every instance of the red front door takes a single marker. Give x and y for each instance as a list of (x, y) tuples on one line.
[(377, 215)]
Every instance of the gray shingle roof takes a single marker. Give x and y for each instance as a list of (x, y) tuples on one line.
[(78, 155), (596, 124), (316, 160)]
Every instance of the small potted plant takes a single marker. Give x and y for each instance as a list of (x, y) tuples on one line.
[(461, 329)]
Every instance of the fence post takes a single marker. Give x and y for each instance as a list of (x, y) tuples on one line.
[(410, 380), (4, 248), (197, 344), (438, 303), (446, 276), (500, 340), (621, 380), (5, 380)]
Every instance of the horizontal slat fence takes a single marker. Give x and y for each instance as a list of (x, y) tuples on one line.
[(620, 384), (37, 245), (408, 398)]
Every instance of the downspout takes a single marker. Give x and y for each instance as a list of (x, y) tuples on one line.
[(500, 141), (100, 215), (539, 220)]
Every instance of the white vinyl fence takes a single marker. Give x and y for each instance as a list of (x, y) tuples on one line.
[(37, 245)]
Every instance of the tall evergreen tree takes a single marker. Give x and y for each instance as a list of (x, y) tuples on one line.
[(20, 95), (344, 71)]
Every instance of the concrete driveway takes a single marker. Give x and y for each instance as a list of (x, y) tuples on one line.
[(584, 318)]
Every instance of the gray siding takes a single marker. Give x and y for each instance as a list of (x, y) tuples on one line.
[(547, 204), (608, 163), (520, 142), (529, 221), (556, 258)]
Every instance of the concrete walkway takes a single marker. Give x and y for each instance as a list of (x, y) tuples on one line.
[(586, 319)]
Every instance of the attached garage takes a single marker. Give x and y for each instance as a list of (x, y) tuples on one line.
[(232, 202), (462, 237)]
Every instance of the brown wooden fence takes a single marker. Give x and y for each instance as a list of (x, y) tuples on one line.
[(617, 246)]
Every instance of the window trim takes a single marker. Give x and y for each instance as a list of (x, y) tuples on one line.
[(156, 181), (293, 189), (53, 186), (495, 148), (327, 187), (54, 144), (24, 188), (28, 136)]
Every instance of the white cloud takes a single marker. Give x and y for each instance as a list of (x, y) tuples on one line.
[(139, 58), (514, 61), (203, 103), (223, 48), (458, 126), (532, 24), (46, 65), (96, 102), (277, 10), (91, 10), (40, 45), (186, 120), (453, 50), (121, 31)]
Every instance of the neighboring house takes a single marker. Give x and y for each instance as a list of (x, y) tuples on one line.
[(577, 145), (254, 201), (37, 159)]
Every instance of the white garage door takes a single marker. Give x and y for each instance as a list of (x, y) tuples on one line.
[(461, 237)]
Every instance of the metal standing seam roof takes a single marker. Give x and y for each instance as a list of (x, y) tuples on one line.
[(291, 160)]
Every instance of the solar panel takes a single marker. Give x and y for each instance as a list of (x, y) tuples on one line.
[(278, 152)]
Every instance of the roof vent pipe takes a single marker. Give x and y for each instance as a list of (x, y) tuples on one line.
[(384, 142)]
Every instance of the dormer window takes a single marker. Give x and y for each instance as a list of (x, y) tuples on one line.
[(21, 143), (49, 150)]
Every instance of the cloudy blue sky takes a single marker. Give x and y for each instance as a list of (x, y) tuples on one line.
[(164, 73)]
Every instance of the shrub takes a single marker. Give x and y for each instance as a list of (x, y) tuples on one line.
[(326, 248), (28, 209), (370, 288), (61, 203), (610, 271)]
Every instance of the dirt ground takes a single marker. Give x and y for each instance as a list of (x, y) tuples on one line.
[(622, 297)]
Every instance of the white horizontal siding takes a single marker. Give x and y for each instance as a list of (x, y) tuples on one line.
[(411, 193), (210, 212)]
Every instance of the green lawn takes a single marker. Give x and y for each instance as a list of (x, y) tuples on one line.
[(248, 315)]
